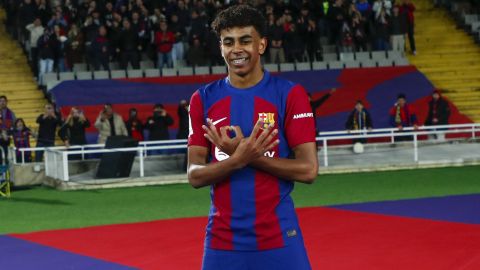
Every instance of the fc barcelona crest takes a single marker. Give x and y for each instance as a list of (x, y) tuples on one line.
[(268, 119)]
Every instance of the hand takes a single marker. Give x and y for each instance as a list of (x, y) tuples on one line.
[(400, 127), (221, 139), (151, 121), (435, 120), (415, 127), (67, 143), (255, 146), (163, 113)]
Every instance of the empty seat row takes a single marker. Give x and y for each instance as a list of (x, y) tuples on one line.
[(53, 78), (375, 55)]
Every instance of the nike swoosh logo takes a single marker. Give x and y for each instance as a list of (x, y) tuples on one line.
[(218, 121)]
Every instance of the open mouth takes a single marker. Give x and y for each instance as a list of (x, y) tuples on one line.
[(239, 61)]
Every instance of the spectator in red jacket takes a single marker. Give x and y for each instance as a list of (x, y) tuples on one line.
[(164, 40), (402, 115)]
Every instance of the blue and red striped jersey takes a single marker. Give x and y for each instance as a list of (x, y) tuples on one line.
[(252, 210)]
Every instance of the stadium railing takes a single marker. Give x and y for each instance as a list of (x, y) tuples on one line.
[(56, 158)]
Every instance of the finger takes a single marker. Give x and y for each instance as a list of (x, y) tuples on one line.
[(208, 138), (272, 145), (256, 129), (223, 132), (210, 133), (270, 138), (238, 132), (261, 138)]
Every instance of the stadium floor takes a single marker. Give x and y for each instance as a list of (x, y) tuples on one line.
[(421, 219)]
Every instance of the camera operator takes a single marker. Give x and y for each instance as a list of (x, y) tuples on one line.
[(158, 124), (109, 123), (47, 125)]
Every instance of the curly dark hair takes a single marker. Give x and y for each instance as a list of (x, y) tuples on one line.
[(240, 16)]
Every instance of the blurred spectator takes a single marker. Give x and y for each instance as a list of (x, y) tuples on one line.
[(101, 50), (72, 131), (164, 40), (36, 31), (75, 46), (381, 5), (47, 48), (61, 51), (397, 30), (43, 11), (381, 30), (26, 14), (359, 33), (21, 139), (57, 19), (183, 120), (129, 46), (158, 124), (407, 8), (7, 119), (438, 114), (402, 115), (276, 35), (359, 119), (134, 125), (294, 45), (198, 27), (47, 125), (213, 49), (109, 123), (196, 54), (180, 37)]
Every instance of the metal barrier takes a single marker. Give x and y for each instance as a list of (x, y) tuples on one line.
[(56, 158)]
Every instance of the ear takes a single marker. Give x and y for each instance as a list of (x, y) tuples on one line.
[(262, 45)]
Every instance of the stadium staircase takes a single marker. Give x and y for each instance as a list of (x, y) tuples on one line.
[(17, 81), (449, 57)]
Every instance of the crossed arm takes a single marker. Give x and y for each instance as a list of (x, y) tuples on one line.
[(249, 151)]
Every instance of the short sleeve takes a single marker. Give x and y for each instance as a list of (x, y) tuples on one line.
[(299, 120), (196, 133)]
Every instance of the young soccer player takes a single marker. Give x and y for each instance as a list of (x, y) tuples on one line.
[(251, 137)]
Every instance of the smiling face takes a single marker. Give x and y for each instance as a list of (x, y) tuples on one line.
[(241, 48)]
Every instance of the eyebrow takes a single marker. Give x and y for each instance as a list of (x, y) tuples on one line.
[(229, 38)]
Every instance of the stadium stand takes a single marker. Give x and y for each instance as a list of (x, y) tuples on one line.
[(449, 57), (17, 81)]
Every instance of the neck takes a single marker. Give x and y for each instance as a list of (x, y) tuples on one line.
[(249, 80)]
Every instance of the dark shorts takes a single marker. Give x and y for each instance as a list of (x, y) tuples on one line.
[(291, 257)]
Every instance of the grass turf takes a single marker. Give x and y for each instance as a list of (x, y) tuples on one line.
[(42, 208)]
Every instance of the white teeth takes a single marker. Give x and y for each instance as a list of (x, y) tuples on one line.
[(239, 61)]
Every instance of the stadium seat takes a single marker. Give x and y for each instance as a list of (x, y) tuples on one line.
[(84, 75), (384, 62), (335, 65), (352, 64), (152, 72), (146, 64), (319, 65), (185, 71), (401, 62), (475, 28), (118, 74), (330, 57), (51, 84), (113, 65), (329, 49), (79, 67), (169, 72), (377, 55), (135, 73), (362, 56), (219, 70), (101, 75), (347, 57), (303, 66), (66, 76), (394, 55), (202, 70), (287, 67), (51, 76), (271, 67), (368, 63)]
